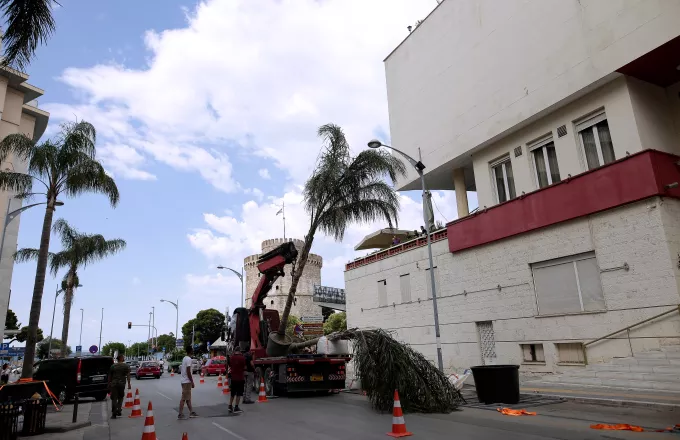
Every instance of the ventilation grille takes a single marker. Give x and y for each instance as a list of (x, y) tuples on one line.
[(562, 131), (518, 151)]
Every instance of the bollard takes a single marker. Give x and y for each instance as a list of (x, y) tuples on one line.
[(75, 408)]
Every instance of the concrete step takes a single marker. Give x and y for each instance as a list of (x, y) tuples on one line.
[(636, 361), (652, 355), (671, 349), (614, 367), (670, 369), (648, 377)]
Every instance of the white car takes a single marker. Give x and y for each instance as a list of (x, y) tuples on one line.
[(195, 366)]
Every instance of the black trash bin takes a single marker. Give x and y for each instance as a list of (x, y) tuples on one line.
[(497, 383), (9, 418), (35, 414)]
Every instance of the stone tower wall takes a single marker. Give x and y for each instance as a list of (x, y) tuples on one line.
[(304, 304)]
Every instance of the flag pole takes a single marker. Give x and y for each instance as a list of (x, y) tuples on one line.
[(283, 210)]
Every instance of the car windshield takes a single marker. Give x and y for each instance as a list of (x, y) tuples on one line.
[(219, 362), (149, 365)]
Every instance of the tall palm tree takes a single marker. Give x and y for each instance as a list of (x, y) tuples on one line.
[(29, 22), (78, 250), (342, 190), (64, 165)]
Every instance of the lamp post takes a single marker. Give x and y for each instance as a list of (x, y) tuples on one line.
[(80, 341), (176, 320), (9, 216), (240, 277), (101, 327), (418, 165), (49, 346)]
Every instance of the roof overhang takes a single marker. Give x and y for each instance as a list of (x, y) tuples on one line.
[(382, 239), (41, 118)]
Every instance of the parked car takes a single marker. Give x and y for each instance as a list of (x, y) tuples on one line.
[(87, 376), (133, 367), (216, 365), (195, 366), (148, 369)]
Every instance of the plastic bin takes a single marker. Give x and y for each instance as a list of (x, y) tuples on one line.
[(9, 415), (35, 414), (497, 383)]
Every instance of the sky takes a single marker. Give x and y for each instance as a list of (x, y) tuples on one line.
[(206, 114)]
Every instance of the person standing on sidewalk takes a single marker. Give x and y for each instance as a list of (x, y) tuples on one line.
[(187, 384), (118, 374), (250, 377), (237, 364)]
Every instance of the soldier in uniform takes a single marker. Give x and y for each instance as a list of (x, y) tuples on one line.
[(118, 375)]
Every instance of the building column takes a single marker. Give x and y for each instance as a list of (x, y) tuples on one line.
[(461, 193)]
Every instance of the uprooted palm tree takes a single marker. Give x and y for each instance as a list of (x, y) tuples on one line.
[(342, 190), (28, 23), (65, 165), (78, 251)]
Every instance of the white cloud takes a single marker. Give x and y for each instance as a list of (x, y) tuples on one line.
[(124, 161), (264, 173), (261, 74), (256, 192), (136, 281)]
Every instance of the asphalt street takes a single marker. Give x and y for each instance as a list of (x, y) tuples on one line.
[(348, 416)]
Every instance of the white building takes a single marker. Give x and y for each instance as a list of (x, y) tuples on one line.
[(564, 117), (19, 113)]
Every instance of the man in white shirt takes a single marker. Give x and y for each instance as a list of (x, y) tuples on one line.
[(187, 384)]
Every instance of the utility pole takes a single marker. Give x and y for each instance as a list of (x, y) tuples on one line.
[(154, 342), (148, 339), (193, 331), (101, 327)]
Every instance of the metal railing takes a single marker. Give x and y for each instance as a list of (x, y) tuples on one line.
[(627, 330), (328, 295)]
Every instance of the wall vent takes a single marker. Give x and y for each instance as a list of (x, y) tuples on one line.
[(518, 151), (562, 131)]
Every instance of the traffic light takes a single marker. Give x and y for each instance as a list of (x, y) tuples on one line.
[(129, 325)]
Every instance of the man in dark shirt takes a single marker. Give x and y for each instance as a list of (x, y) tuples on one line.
[(250, 377), (237, 364), (118, 375)]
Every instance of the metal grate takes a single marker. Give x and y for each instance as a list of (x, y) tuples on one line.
[(469, 393), (518, 151), (487, 341), (562, 131)]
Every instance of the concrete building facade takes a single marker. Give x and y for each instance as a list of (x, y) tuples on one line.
[(304, 305), (19, 114), (564, 117)]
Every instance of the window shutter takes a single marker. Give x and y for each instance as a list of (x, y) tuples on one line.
[(382, 293), (589, 282), (405, 284), (556, 289)]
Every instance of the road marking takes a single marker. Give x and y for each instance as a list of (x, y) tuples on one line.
[(169, 398), (228, 431)]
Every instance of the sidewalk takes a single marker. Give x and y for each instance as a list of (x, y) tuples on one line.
[(606, 396), (60, 426)]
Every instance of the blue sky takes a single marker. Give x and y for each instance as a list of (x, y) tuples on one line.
[(206, 114)]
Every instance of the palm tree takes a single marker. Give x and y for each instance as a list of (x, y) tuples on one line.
[(78, 251), (342, 190), (29, 22), (65, 165)]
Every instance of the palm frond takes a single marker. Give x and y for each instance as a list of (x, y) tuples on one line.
[(90, 176), (68, 234), (18, 145), (64, 283), (15, 182), (96, 247), (29, 23), (43, 158), (78, 137), (26, 254)]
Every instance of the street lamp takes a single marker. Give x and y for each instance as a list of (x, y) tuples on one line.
[(240, 277), (9, 216), (176, 320), (49, 347), (418, 165)]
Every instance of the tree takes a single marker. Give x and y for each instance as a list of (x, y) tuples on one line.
[(78, 250), (292, 322), (209, 325), (139, 349), (167, 341), (44, 346), (335, 323), (29, 22), (110, 348), (11, 321), (343, 190), (23, 335), (64, 165)]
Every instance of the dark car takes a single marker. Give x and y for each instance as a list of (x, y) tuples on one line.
[(87, 376), (149, 369)]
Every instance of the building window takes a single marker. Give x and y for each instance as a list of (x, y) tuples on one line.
[(405, 284), (504, 179), (533, 353), (596, 141), (570, 353), (545, 162), (568, 285), (428, 282), (382, 293)]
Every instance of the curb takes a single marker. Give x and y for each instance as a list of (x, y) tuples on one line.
[(612, 402), (67, 428)]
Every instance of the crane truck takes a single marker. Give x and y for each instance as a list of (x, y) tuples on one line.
[(286, 371)]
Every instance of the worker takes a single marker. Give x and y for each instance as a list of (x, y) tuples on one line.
[(237, 365), (118, 374), (4, 376), (250, 378), (187, 382)]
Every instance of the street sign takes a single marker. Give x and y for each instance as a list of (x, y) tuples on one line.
[(79, 350), (312, 319), (163, 349), (312, 325), (180, 343), (208, 345), (93, 349), (4, 348)]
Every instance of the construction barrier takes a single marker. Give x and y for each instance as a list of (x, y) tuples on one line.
[(136, 408), (149, 432), (263, 395), (129, 401), (398, 424)]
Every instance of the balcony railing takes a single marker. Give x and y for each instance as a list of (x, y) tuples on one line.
[(329, 295)]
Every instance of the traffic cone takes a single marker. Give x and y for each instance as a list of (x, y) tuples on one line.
[(185, 436), (149, 432), (219, 381), (172, 373), (398, 424), (128, 399), (202, 379), (263, 396), (136, 408), (225, 388)]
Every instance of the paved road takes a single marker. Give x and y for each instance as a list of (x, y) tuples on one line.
[(346, 416)]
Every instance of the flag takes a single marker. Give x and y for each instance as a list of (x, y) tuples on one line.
[(280, 211)]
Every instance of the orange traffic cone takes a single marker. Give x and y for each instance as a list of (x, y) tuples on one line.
[(398, 424), (136, 408), (219, 381), (149, 432), (225, 388), (263, 396), (172, 373), (202, 379), (128, 399), (185, 436)]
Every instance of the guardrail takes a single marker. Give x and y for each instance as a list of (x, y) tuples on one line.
[(329, 295)]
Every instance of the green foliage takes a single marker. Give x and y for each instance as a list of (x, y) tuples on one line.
[(23, 335), (138, 349), (167, 341), (11, 321), (337, 322), (292, 322), (43, 346), (110, 348), (28, 23), (209, 325)]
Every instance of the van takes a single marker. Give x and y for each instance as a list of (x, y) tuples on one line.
[(87, 376)]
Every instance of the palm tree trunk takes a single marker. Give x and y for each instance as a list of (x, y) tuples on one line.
[(68, 301), (36, 302), (299, 267)]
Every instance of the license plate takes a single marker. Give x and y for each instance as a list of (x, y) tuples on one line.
[(98, 378), (317, 378)]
